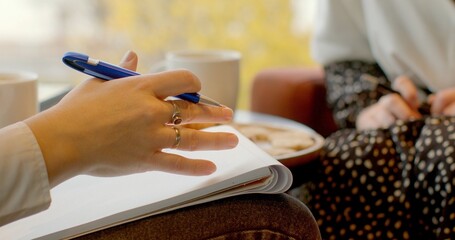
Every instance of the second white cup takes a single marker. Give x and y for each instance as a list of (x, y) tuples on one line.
[(218, 71)]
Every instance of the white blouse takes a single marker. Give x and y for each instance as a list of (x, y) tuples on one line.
[(24, 184), (405, 37)]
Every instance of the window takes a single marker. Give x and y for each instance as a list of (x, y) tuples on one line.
[(35, 34)]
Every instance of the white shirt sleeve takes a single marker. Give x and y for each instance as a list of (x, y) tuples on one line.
[(340, 32), (406, 37), (24, 183)]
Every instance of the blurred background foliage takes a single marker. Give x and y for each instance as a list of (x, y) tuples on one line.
[(268, 33), (261, 30)]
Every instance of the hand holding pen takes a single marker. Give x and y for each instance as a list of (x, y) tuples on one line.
[(401, 105), (411, 98), (112, 128)]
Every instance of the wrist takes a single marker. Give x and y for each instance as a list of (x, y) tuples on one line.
[(56, 146)]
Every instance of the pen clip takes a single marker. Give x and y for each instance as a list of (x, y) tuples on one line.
[(71, 59)]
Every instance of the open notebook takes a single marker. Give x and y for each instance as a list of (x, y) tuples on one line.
[(84, 204)]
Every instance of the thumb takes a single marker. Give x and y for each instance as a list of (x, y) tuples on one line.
[(129, 61)]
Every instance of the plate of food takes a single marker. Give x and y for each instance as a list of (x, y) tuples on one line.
[(291, 145), (288, 141)]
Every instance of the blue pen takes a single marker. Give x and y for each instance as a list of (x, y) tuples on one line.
[(107, 71)]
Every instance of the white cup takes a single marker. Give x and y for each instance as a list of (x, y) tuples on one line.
[(218, 71), (18, 96)]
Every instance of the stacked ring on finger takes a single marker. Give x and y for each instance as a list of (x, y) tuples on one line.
[(178, 137), (176, 118)]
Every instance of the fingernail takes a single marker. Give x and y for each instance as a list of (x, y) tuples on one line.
[(227, 113), (128, 56), (211, 169), (232, 140)]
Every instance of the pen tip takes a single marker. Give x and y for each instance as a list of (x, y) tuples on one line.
[(369, 78), (208, 101)]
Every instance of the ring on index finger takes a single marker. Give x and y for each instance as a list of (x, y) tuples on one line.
[(176, 118)]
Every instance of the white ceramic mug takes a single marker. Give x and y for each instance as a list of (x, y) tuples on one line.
[(218, 71), (18, 96)]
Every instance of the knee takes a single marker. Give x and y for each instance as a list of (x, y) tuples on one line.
[(280, 216)]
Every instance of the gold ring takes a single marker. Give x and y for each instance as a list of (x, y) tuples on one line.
[(176, 117), (178, 137)]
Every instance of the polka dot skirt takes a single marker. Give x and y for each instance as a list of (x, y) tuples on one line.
[(394, 183)]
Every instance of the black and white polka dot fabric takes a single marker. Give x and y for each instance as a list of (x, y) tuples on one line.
[(394, 183)]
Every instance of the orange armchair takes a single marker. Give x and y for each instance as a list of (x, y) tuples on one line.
[(294, 93)]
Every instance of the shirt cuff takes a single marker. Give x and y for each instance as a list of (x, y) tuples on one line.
[(24, 182)]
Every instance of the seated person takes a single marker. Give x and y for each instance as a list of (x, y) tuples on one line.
[(389, 171)]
